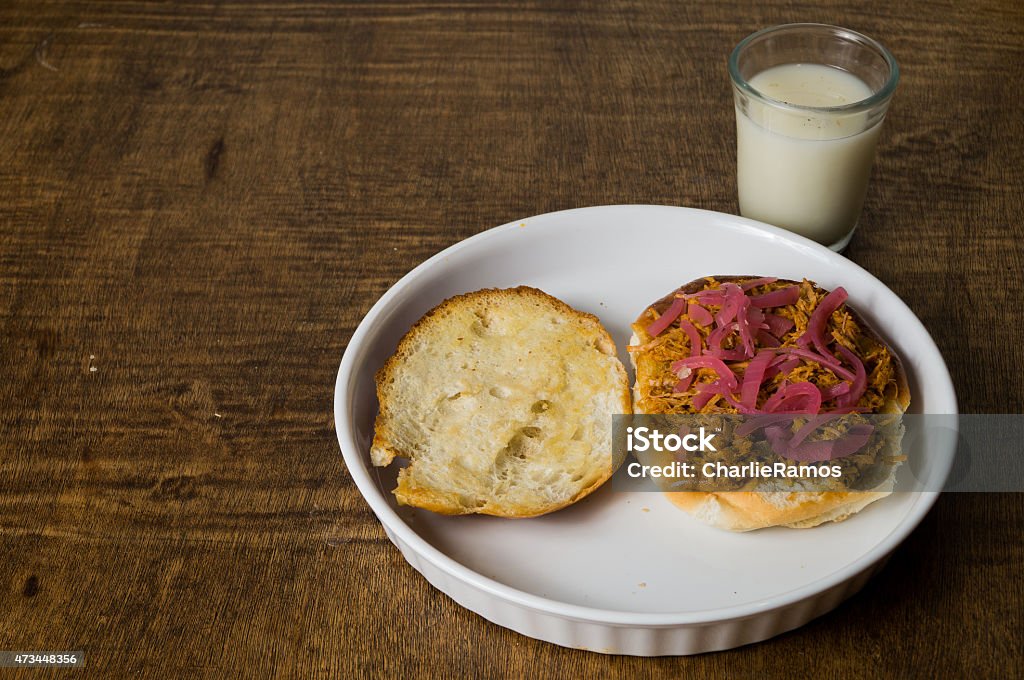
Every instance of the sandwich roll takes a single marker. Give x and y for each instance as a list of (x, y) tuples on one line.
[(501, 402), (756, 345)]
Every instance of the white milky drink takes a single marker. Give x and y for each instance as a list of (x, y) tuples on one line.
[(805, 172)]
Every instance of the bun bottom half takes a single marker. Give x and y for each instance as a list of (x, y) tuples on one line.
[(750, 510)]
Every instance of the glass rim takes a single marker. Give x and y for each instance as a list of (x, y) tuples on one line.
[(866, 104)]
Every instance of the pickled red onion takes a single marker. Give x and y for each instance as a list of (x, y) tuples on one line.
[(756, 317), (815, 332), (716, 336), (753, 377), (827, 361), (715, 348), (699, 314), (783, 367), (834, 391), (810, 426), (693, 335), (777, 298), (813, 452), (778, 325), (734, 298), (757, 422), (725, 375), (712, 296), (666, 319), (754, 283), (703, 397), (738, 354), (860, 378), (791, 393), (717, 388), (744, 323)]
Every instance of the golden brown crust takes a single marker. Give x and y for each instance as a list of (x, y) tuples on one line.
[(384, 449), (428, 499), (747, 510)]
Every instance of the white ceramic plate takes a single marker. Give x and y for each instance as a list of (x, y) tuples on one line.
[(626, 572)]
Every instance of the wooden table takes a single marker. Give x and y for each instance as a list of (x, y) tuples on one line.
[(199, 202)]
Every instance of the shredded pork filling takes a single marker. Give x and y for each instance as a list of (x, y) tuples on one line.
[(676, 377)]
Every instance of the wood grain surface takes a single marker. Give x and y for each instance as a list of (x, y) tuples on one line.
[(199, 202)]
